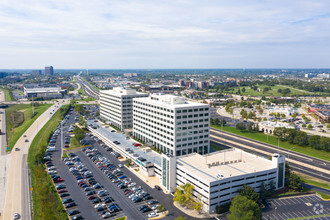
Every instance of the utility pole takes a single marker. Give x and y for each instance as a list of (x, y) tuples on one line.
[(32, 107)]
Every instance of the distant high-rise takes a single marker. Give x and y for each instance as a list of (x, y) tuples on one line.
[(36, 72), (49, 70)]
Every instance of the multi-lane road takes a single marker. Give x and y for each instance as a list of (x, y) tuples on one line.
[(302, 163), (88, 89)]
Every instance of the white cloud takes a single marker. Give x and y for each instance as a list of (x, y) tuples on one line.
[(159, 33)]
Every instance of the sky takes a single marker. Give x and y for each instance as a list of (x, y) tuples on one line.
[(148, 34)]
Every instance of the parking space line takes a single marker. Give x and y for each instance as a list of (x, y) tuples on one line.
[(276, 203), (286, 217), (304, 199), (283, 201), (289, 214), (300, 200)]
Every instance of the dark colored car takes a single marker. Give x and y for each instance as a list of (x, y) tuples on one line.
[(74, 212), (64, 195)]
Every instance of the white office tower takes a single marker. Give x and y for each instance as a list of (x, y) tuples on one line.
[(116, 106), (217, 177), (172, 124)]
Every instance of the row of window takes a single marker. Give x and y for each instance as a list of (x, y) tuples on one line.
[(152, 112), (201, 150), (191, 110), (148, 135), (152, 116), (192, 116), (192, 121), (144, 121)]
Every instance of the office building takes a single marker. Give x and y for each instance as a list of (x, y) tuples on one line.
[(172, 124), (45, 92), (36, 72), (218, 177), (49, 70), (116, 106)]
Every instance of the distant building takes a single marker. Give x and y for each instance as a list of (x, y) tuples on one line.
[(36, 72), (324, 76), (202, 85), (130, 74), (49, 70), (182, 83), (269, 126), (322, 111), (190, 84), (44, 92)]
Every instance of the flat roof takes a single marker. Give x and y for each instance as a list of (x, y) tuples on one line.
[(207, 167), (170, 103), (43, 89), (120, 91), (126, 143)]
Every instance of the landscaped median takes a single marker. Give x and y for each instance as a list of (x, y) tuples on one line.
[(46, 202), (19, 118)]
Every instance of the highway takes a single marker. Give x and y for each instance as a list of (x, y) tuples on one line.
[(88, 89), (17, 190), (302, 163)]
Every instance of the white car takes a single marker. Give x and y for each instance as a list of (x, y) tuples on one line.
[(51, 172), (153, 214), (100, 205)]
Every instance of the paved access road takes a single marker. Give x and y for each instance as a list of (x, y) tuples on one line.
[(295, 207), (17, 191)]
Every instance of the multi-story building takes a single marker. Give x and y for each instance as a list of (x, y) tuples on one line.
[(172, 124), (44, 92), (36, 72), (49, 70), (218, 177), (116, 106)]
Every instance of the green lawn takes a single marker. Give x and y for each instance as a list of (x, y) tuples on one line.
[(19, 118), (8, 95), (74, 143), (315, 183), (274, 141), (46, 202), (273, 91), (323, 195)]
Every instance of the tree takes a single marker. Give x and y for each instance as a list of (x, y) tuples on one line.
[(243, 208), (328, 125), (301, 138), (198, 205), (314, 141), (295, 182), (243, 89), (79, 108), (216, 121), (263, 191), (211, 121), (325, 144), (82, 122), (240, 126), (249, 193), (303, 125), (183, 195)]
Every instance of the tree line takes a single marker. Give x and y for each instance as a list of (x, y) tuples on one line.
[(302, 139)]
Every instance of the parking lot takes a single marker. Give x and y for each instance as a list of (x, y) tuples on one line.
[(86, 187), (295, 207)]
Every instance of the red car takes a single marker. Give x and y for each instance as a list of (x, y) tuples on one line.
[(136, 144), (62, 191), (58, 180), (66, 146), (91, 197)]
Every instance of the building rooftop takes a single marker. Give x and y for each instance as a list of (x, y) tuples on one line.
[(42, 89), (121, 91), (228, 163), (170, 101)]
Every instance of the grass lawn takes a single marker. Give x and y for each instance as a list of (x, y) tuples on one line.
[(74, 143), (8, 95), (273, 91), (306, 179), (19, 119), (274, 141), (46, 202), (323, 195)]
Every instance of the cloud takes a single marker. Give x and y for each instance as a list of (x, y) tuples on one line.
[(133, 33)]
